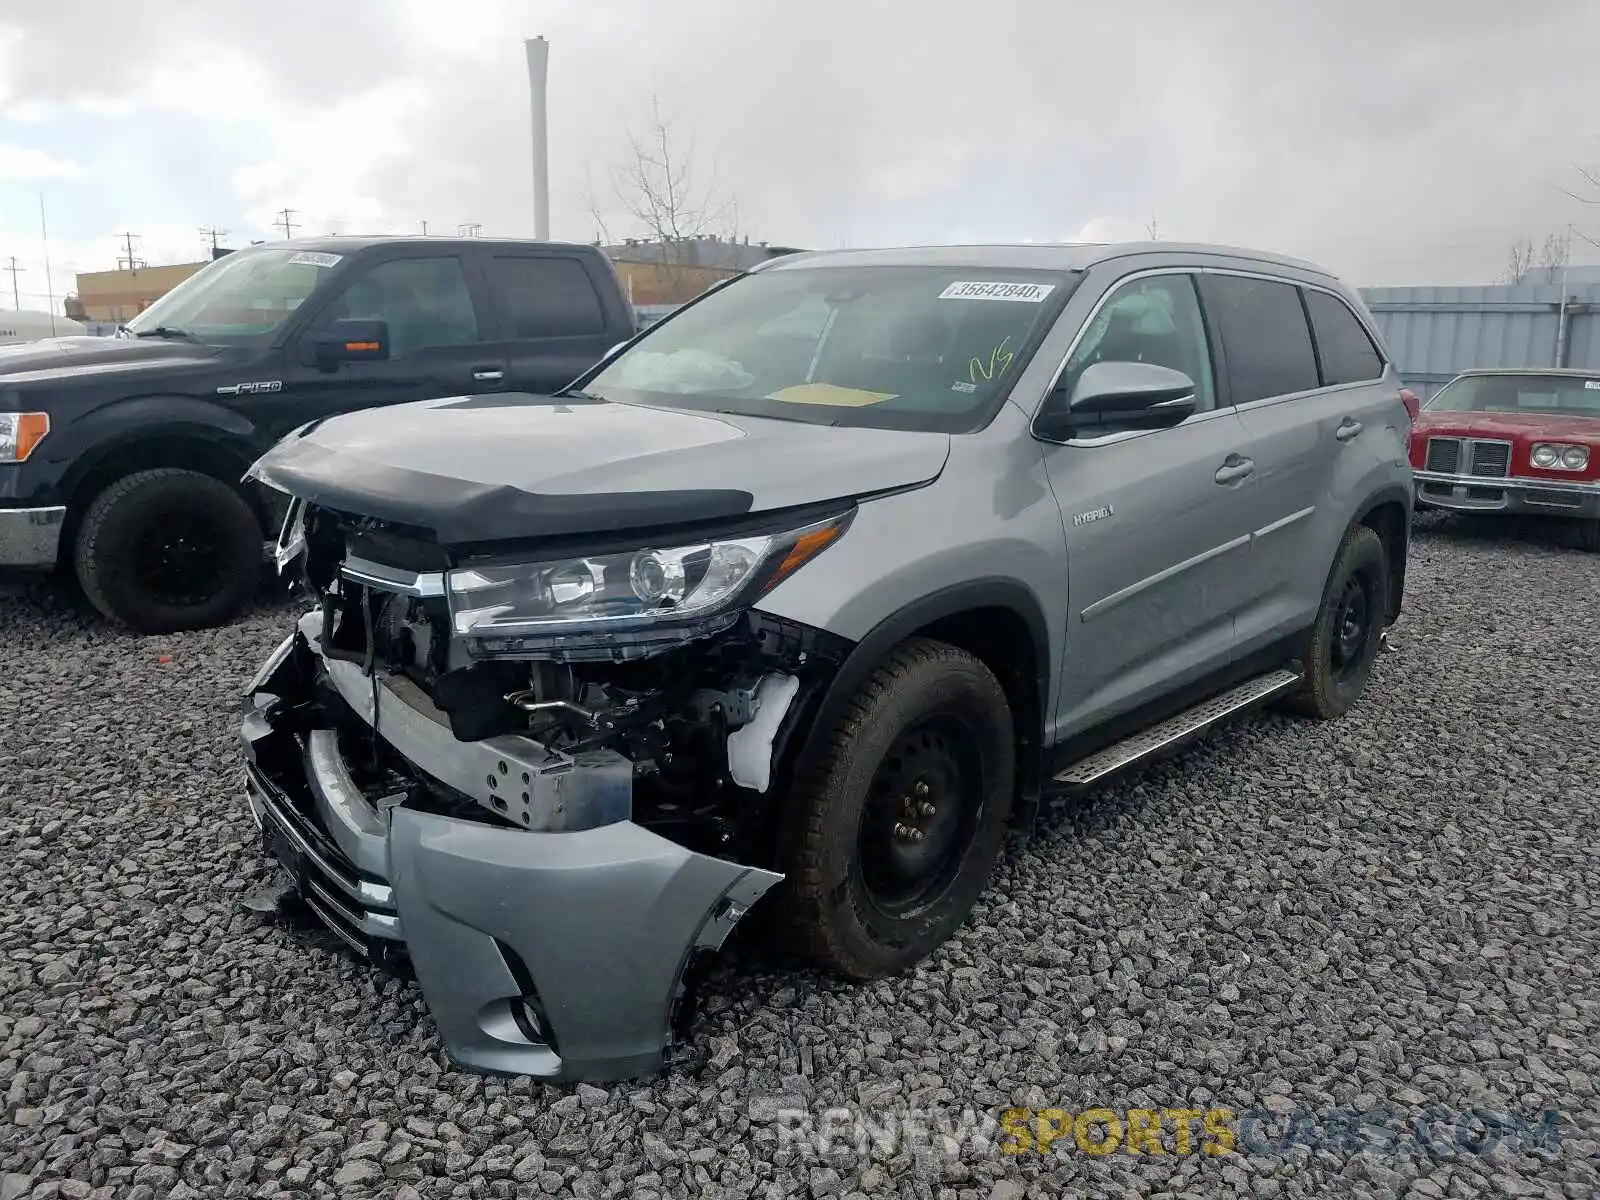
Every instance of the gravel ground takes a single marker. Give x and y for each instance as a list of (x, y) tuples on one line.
[(1393, 910)]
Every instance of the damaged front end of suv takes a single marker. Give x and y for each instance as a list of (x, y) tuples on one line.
[(543, 778)]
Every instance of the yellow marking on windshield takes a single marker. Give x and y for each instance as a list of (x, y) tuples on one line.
[(999, 359), (827, 393)]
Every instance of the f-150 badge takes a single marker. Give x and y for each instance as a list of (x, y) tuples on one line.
[(251, 389), (1094, 514)]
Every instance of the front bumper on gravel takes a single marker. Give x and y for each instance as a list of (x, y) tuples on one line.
[(561, 955), (1522, 496)]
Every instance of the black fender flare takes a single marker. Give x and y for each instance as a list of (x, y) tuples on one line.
[(870, 651), (1406, 498)]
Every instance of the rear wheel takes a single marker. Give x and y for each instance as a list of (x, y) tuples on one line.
[(892, 835), (168, 550), (1348, 632)]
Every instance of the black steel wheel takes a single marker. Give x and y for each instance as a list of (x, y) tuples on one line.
[(1344, 642), (898, 814)]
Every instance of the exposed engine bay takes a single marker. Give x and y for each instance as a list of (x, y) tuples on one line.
[(705, 724)]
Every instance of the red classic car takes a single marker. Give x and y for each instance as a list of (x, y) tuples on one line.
[(1513, 441)]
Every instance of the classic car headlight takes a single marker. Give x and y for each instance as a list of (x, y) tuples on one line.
[(1559, 456), (631, 598)]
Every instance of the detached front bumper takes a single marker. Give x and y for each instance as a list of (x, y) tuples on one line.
[(1539, 497), (30, 538), (563, 955)]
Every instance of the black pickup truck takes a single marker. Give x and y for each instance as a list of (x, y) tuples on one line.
[(123, 458)]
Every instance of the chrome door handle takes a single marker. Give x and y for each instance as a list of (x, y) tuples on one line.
[(488, 376), (1234, 469), (1348, 429)]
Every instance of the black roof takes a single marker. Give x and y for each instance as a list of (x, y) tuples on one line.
[(349, 243)]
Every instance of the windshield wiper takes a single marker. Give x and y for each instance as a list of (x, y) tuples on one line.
[(578, 395), (171, 332)]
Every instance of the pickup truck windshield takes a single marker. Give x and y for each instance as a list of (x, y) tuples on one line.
[(888, 347), (1544, 394), (238, 298)]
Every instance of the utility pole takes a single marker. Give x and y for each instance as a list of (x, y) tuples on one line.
[(538, 52), (424, 229), (16, 296), (286, 223), (127, 261), (213, 235)]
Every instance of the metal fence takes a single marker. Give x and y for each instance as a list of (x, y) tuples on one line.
[(1435, 333)]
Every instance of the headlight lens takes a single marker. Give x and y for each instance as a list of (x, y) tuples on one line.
[(604, 599), (20, 433), (1559, 456)]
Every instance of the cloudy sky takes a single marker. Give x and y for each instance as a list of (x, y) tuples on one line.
[(1395, 142)]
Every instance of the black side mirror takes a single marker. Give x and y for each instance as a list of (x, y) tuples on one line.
[(1117, 396), (356, 339)]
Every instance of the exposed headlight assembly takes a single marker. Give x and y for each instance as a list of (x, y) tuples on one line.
[(626, 604), (1560, 456)]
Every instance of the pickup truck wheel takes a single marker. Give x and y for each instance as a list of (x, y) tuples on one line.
[(893, 833), (1346, 638), (1589, 534), (168, 550)]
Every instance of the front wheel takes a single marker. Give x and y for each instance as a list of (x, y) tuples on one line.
[(1348, 632), (890, 837), (167, 550)]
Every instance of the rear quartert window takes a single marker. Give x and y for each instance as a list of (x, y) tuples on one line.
[(1344, 348)]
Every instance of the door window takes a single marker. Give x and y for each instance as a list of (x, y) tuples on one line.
[(547, 297), (1264, 332), (1344, 347), (1154, 320), (426, 302)]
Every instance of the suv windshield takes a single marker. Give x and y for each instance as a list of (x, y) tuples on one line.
[(243, 296), (1546, 394), (888, 347)]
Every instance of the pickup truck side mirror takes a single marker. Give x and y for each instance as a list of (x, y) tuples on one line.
[(1115, 396), (355, 339)]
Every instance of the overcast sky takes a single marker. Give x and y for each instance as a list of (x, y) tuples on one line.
[(1398, 142)]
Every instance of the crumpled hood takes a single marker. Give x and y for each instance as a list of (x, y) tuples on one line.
[(62, 360), (488, 468)]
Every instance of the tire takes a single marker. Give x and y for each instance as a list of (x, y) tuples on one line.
[(1589, 534), (932, 723), (168, 550), (1344, 641)]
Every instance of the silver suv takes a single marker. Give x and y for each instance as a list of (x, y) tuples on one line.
[(806, 596)]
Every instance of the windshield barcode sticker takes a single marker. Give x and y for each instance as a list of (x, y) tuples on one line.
[(312, 258), (1025, 293)]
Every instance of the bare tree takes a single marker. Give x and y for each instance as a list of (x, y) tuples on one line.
[(1519, 260), (1554, 255), (659, 191)]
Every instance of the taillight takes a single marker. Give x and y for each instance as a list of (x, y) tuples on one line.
[(1412, 403)]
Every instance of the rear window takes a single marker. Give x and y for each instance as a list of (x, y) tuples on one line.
[(1344, 347), (547, 297), (1264, 333), (891, 347), (1553, 395)]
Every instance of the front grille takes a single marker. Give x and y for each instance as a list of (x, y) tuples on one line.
[(1444, 455), (1491, 460)]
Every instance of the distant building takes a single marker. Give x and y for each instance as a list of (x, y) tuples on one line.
[(120, 295), (670, 272)]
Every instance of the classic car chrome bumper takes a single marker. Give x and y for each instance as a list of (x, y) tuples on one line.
[(1477, 493), (30, 537), (557, 954)]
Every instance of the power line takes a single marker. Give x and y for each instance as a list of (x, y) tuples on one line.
[(16, 296), (286, 223), (127, 261)]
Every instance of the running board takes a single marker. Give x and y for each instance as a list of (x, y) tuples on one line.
[(1167, 734)]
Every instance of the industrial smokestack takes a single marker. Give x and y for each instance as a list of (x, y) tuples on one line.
[(538, 69)]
